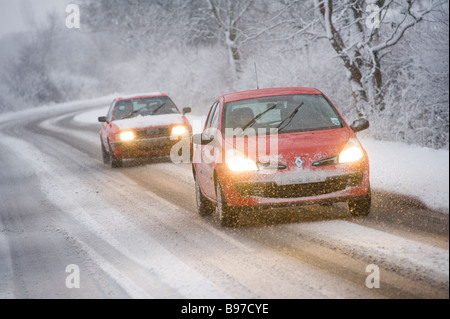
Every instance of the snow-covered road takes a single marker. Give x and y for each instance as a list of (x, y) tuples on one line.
[(135, 233)]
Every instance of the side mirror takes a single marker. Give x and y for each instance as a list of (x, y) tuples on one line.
[(359, 125), (201, 139), (186, 110), (102, 119)]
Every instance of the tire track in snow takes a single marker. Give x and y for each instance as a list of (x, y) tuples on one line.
[(414, 259), (115, 230), (182, 172), (411, 258), (310, 231)]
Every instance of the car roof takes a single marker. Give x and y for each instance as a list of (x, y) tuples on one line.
[(139, 96), (250, 94)]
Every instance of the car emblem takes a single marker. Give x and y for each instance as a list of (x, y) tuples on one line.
[(298, 162)]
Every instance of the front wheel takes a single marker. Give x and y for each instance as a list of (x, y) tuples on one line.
[(204, 206), (105, 154), (228, 216), (360, 206), (114, 162)]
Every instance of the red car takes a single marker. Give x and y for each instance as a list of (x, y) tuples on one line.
[(142, 125), (278, 147)]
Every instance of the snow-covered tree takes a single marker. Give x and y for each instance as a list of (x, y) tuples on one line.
[(228, 15), (395, 74), (359, 41), (29, 75)]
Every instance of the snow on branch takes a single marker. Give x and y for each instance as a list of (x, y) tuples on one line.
[(402, 26)]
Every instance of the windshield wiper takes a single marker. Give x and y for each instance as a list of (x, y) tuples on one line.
[(158, 108), (289, 118), (253, 120), (132, 113)]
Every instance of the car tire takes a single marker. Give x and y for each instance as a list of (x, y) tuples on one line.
[(228, 216), (105, 154), (360, 206), (204, 206), (114, 162)]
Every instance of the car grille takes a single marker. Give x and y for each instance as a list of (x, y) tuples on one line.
[(272, 190), (153, 132), (332, 160)]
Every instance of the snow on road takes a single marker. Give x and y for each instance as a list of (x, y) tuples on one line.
[(6, 267), (410, 257), (108, 224), (394, 167), (380, 248), (414, 171)]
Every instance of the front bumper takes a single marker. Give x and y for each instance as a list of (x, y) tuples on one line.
[(253, 190), (156, 146), (273, 190)]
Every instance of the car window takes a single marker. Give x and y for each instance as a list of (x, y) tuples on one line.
[(314, 113), (215, 118), (212, 113), (110, 111), (144, 107)]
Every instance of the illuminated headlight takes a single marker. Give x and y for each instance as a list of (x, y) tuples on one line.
[(352, 152), (126, 136), (237, 162), (179, 130)]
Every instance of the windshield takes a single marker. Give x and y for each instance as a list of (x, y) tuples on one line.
[(144, 107), (284, 114)]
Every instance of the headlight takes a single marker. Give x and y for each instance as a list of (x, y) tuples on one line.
[(352, 152), (237, 162), (179, 130), (126, 136)]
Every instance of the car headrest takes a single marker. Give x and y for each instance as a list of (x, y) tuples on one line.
[(240, 117)]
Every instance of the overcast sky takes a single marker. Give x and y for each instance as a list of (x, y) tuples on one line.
[(22, 15)]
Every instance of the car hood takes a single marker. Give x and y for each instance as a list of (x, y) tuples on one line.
[(140, 122), (285, 148)]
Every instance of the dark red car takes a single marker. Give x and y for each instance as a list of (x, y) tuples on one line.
[(278, 147), (142, 125)]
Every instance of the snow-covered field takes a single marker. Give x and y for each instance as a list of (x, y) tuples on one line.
[(419, 172)]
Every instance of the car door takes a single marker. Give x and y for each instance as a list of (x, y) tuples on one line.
[(205, 169), (104, 131)]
